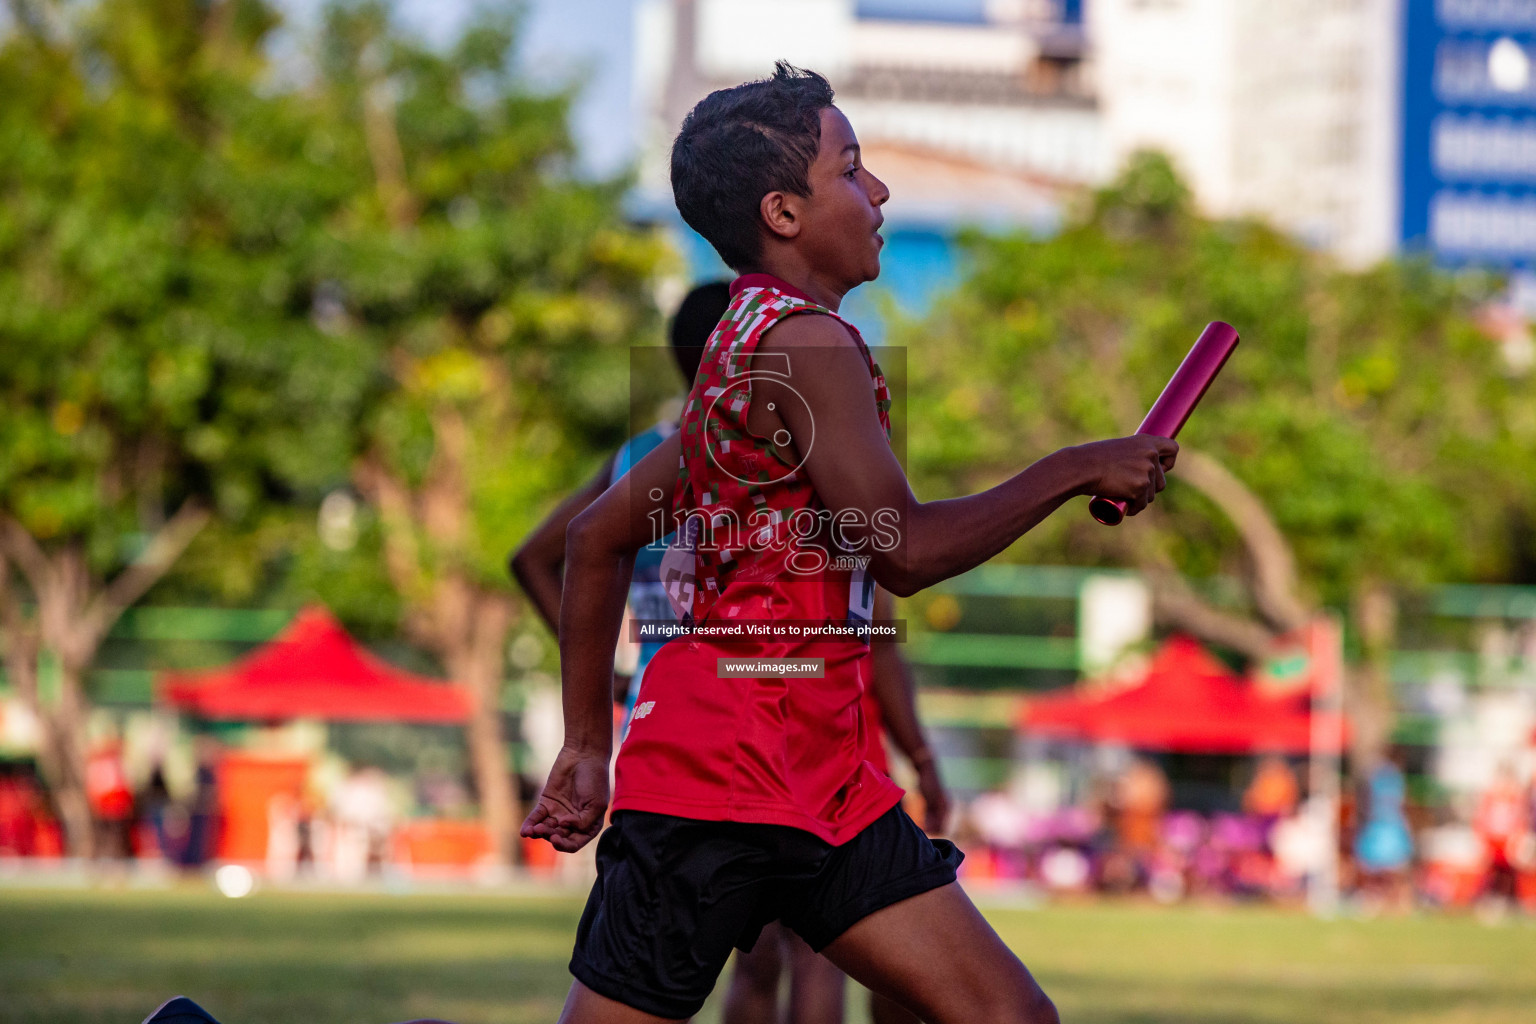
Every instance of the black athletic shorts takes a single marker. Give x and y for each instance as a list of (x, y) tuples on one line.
[(674, 895)]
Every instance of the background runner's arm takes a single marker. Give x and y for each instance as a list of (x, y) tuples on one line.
[(897, 694), (852, 466), (538, 560), (600, 546)]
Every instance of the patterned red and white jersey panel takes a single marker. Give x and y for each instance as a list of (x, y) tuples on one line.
[(774, 750), (737, 492)]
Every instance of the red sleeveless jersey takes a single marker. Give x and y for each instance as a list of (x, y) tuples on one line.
[(773, 750)]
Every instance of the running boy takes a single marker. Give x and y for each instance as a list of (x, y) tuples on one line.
[(738, 801)]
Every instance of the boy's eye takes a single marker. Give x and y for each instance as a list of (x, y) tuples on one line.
[(850, 172)]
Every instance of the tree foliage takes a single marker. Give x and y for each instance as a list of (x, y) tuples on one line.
[(499, 295), (226, 293), (1381, 430), (1365, 437)]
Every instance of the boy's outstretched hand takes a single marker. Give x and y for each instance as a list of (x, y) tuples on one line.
[(569, 811), (1130, 469)]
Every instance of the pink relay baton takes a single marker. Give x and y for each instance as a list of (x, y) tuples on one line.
[(1184, 390)]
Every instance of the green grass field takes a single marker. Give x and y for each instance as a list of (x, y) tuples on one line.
[(97, 957)]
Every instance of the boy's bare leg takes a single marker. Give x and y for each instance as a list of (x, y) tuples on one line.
[(753, 997), (816, 984), (936, 955), (583, 1006)]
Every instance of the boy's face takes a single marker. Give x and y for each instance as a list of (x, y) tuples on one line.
[(840, 220)]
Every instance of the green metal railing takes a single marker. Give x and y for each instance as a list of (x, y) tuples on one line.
[(1474, 601), (229, 625), (991, 650), (931, 648)]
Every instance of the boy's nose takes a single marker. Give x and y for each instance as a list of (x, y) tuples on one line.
[(878, 193)]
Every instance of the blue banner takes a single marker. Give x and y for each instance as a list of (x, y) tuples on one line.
[(1469, 131)]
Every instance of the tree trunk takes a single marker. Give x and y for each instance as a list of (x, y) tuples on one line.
[(1271, 579), (463, 623), (1368, 691), (50, 686), (1272, 566), (75, 610), (477, 665), (62, 764), (1175, 604)]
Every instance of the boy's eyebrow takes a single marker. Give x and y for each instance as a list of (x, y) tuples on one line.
[(853, 146)]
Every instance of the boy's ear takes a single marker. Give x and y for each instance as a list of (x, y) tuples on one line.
[(780, 212)]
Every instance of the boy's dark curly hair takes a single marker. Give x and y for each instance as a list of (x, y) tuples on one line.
[(739, 144)]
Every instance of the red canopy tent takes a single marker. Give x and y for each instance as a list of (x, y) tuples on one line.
[(313, 669), (1187, 702)]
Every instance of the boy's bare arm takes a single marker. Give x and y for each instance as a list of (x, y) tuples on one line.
[(600, 546), (828, 407), (537, 562)]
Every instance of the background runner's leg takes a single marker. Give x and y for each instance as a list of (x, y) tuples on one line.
[(753, 997), (816, 984), (936, 955)]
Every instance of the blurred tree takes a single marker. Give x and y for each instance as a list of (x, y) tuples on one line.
[(152, 371), (227, 295), (1366, 435), (501, 296)]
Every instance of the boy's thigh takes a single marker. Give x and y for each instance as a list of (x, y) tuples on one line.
[(891, 860), (935, 954), (673, 897), (584, 1006)]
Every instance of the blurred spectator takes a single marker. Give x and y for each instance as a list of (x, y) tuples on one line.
[(26, 827), (1274, 792), (15, 820), (1383, 846), (156, 813), (1302, 844), (1181, 836), (285, 815), (202, 815), (1502, 823), (362, 818), (111, 801), (1139, 799), (1245, 866), (440, 793)]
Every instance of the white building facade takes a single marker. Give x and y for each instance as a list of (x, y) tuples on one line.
[(1283, 110), (986, 120), (1364, 127)]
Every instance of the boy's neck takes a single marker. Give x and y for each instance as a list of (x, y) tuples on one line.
[(796, 273)]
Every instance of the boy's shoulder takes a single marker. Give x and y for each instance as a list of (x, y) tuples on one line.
[(773, 315), (812, 326)]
